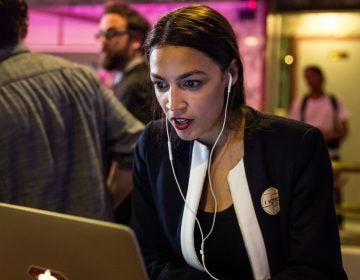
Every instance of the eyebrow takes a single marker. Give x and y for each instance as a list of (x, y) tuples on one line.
[(182, 76)]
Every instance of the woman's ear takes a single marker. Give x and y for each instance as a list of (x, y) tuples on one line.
[(233, 70)]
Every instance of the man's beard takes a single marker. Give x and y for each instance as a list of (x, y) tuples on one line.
[(115, 61)]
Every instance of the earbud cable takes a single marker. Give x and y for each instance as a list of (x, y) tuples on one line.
[(203, 239)]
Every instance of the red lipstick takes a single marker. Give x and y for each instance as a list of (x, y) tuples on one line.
[(181, 123)]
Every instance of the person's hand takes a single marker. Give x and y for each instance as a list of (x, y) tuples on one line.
[(120, 183)]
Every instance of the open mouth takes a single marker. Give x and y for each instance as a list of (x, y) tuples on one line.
[(181, 123)]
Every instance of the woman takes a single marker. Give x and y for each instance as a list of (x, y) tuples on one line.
[(222, 191)]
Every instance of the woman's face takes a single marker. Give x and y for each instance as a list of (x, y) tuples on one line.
[(190, 88)]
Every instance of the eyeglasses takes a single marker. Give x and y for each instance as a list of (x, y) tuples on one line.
[(110, 33)]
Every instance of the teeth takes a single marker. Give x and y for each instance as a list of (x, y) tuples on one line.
[(182, 121)]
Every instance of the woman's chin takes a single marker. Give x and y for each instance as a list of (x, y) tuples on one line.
[(185, 136)]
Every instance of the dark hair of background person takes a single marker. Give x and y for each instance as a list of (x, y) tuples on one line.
[(204, 29), (137, 25), (13, 21), (317, 70)]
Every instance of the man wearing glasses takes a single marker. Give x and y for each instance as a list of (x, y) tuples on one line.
[(122, 32)]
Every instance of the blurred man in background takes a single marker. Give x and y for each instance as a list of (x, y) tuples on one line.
[(60, 129), (322, 110), (122, 32), (328, 113)]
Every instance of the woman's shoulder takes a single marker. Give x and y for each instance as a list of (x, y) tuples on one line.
[(154, 132), (280, 127), (269, 121), (279, 137)]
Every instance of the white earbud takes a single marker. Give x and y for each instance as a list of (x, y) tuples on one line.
[(229, 84)]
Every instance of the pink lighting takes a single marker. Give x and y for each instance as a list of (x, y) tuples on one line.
[(71, 28), (252, 5)]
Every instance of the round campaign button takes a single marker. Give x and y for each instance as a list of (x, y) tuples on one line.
[(270, 201)]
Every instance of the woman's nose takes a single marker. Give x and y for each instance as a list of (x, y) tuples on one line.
[(175, 100)]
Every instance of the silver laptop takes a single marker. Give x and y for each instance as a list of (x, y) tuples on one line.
[(37, 244)]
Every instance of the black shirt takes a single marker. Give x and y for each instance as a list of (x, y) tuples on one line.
[(225, 253)]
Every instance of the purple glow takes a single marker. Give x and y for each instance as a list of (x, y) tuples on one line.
[(71, 28), (150, 10), (252, 5)]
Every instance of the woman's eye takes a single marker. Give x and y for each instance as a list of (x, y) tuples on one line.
[(160, 85), (192, 84)]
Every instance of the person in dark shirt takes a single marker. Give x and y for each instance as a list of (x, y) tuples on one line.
[(122, 31), (60, 129), (222, 191)]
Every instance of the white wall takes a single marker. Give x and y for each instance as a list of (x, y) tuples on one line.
[(316, 36)]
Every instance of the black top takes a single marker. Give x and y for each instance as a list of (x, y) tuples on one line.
[(225, 253), (301, 241)]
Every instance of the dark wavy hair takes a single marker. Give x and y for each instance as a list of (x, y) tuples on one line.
[(206, 30), (137, 25), (13, 21)]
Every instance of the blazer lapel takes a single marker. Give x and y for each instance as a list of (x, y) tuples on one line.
[(248, 222), (198, 170), (260, 180)]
